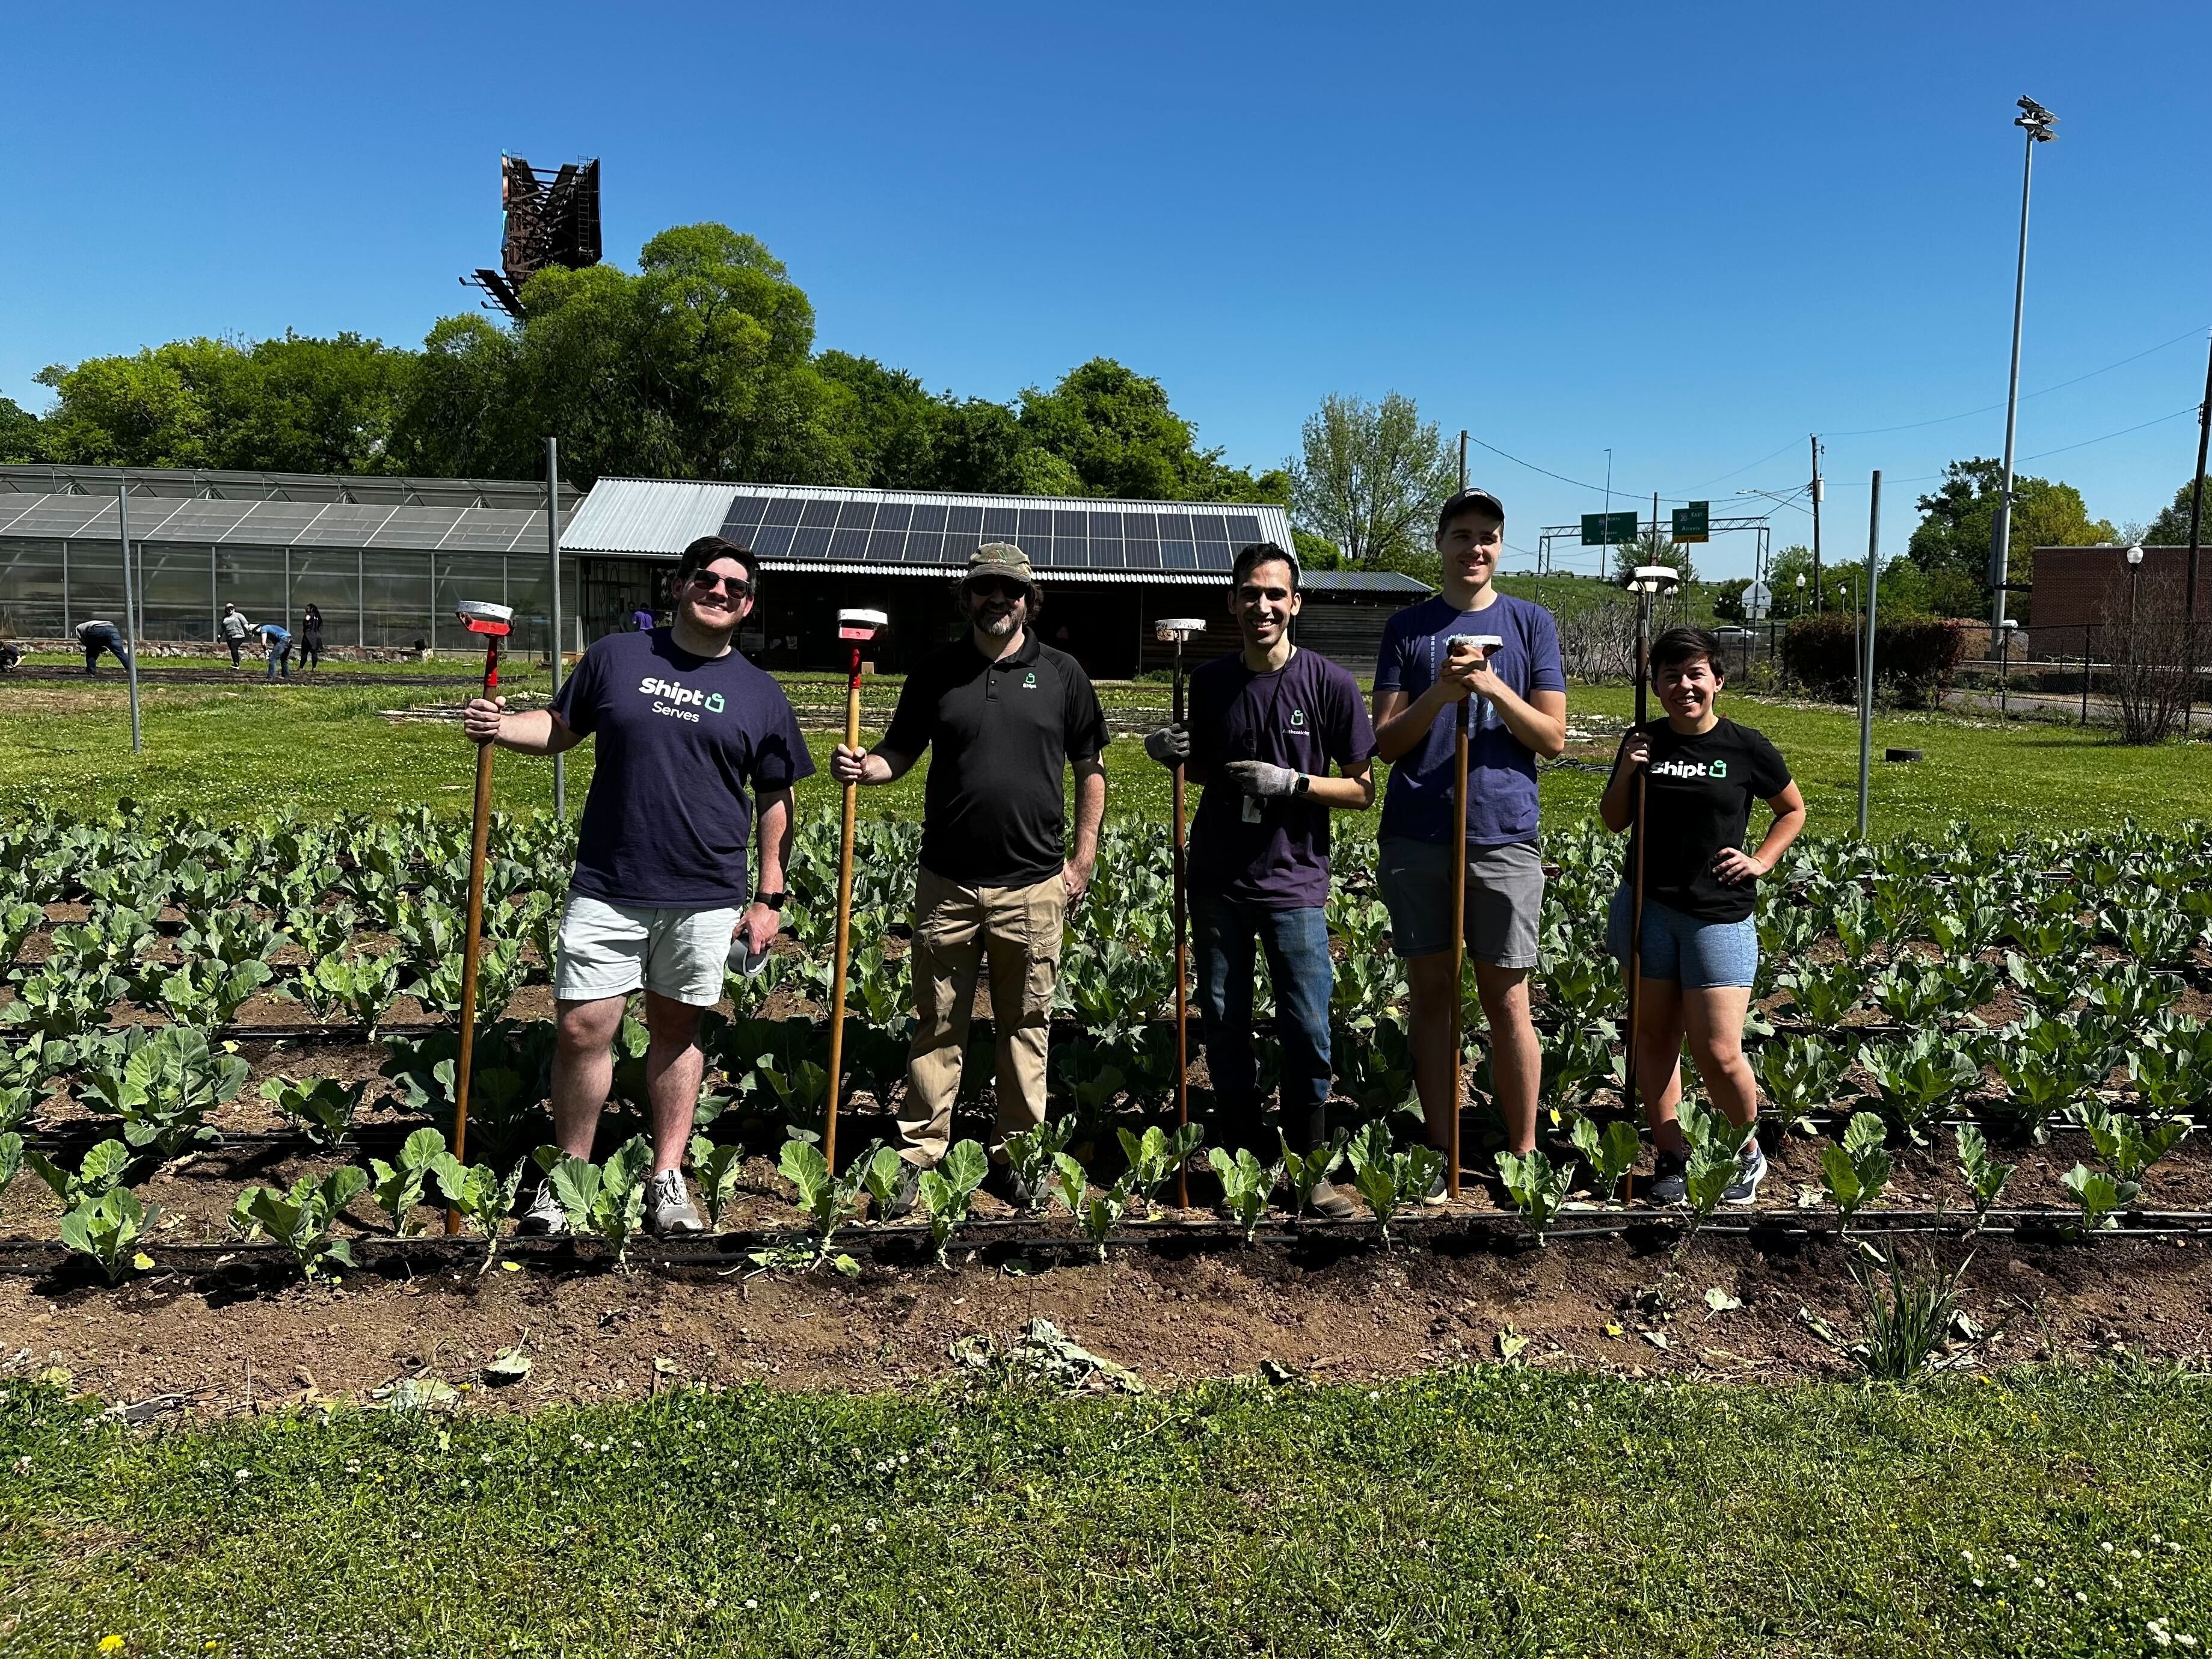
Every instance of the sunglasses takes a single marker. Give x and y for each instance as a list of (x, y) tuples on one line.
[(737, 587), (992, 587)]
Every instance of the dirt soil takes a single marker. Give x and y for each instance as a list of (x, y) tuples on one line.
[(1336, 1311)]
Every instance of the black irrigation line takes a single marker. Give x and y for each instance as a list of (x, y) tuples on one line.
[(1025, 1238)]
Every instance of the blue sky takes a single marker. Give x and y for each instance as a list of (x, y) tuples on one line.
[(1691, 234)]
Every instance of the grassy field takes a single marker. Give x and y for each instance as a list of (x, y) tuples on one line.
[(229, 749), (1492, 1510)]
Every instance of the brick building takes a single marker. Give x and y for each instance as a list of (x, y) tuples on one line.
[(2080, 587)]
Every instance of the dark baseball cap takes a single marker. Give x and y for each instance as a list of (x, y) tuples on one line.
[(1478, 500), (1000, 559)]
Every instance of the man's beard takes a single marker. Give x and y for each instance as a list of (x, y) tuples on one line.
[(998, 624)]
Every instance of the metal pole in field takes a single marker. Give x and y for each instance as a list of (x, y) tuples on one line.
[(2036, 121), (360, 604), (1177, 630), (553, 656), (2195, 541), (1462, 458), (1866, 672), (129, 612), (2086, 627), (1818, 490)]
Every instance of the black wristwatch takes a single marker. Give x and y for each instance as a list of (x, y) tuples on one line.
[(773, 900), (1303, 784)]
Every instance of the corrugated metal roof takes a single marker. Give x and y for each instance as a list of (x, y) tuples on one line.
[(1363, 581), (27, 479), (1213, 578), (200, 521), (830, 528)]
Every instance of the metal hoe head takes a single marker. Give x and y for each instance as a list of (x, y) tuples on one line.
[(861, 624), (1485, 643), (1174, 630), (481, 616), (1654, 578)]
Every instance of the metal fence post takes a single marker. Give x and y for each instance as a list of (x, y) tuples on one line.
[(129, 612), (1866, 682), (360, 604), (553, 655), (2086, 628)]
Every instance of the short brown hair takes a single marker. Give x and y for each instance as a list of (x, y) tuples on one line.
[(708, 549), (1681, 645)]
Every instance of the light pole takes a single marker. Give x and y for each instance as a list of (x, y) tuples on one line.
[(2037, 123), (2135, 570), (2004, 666)]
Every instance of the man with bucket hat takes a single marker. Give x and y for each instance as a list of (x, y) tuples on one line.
[(1008, 715)]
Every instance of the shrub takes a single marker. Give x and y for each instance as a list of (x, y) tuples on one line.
[(1915, 658)]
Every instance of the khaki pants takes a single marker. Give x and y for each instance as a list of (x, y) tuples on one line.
[(1020, 928)]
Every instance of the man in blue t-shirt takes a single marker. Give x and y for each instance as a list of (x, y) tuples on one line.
[(276, 641), (694, 745), (1265, 726), (1516, 694)]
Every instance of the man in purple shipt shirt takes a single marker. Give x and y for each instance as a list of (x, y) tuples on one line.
[(1265, 726)]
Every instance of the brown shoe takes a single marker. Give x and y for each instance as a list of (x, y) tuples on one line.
[(1332, 1203)]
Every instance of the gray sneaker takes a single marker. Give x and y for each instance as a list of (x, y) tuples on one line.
[(1670, 1180), (1750, 1170), (668, 1206), (545, 1218)]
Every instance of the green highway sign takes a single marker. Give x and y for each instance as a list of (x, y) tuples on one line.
[(1690, 522), (1608, 529)]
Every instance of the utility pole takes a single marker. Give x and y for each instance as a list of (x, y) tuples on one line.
[(1817, 492), (1866, 671), (2195, 541), (1462, 458), (553, 657), (2036, 121)]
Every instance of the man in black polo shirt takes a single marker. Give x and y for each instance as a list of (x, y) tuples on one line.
[(1008, 714)]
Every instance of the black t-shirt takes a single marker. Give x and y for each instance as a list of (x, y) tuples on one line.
[(680, 741), (1697, 803), (994, 812)]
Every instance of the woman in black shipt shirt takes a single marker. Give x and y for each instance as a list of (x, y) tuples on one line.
[(1699, 945)]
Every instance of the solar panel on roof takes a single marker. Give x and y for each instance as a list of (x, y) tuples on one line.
[(856, 515), (893, 515), (928, 515), (818, 515), (1215, 556), (924, 547), (848, 546), (743, 517), (810, 541), (773, 541), (963, 521), (1243, 529), (1179, 555), (885, 546), (783, 510)]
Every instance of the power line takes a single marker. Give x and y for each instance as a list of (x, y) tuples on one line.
[(2122, 433), (1941, 420)]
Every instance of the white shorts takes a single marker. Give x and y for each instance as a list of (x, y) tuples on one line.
[(610, 949)]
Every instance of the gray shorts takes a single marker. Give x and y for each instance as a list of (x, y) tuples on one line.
[(1504, 899), (610, 949)]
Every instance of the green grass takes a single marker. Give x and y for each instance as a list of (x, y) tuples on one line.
[(236, 749), (1491, 1510)]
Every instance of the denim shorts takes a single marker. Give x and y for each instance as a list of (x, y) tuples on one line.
[(1504, 899), (1701, 955)]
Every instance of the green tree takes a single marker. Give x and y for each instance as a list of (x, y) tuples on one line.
[(1951, 544), (1652, 548), (1369, 479), (1116, 434), (21, 434), (888, 423), (458, 417), (2171, 527)]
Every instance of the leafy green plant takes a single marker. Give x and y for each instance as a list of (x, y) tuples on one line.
[(324, 1108), (163, 1083), (607, 1200), (1715, 1155), (101, 1172), (1918, 1077), (1984, 1176), (2100, 1195), (829, 1198), (1030, 1154), (1246, 1184), (1536, 1189), (1307, 1170), (1855, 1172), (207, 993), (1097, 1216), (1802, 1076), (479, 1194), (2128, 1147), (108, 1228), (301, 1219), (363, 985), (945, 1192), (716, 1166), (1156, 1155), (1824, 995), (398, 1188), (1913, 992), (2046, 1064), (1611, 1152), (11, 1159), (1388, 1177)]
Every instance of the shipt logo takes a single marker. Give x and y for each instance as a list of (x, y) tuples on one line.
[(1029, 681), (1719, 769), (672, 698), (714, 703), (1298, 719)]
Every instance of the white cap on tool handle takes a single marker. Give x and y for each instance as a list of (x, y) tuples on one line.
[(481, 616), (1655, 578), (1173, 629), (861, 624)]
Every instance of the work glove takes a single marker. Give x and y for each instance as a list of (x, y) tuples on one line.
[(1170, 745), (1263, 778)]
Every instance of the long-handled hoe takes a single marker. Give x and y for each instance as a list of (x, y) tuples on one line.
[(1175, 630), (1485, 643), (494, 622), (1647, 582), (857, 628)]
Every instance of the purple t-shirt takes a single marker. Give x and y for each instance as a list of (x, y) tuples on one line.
[(681, 739), (1501, 769), (1307, 715)]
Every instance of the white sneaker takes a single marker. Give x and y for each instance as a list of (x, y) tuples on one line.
[(545, 1218), (668, 1206), (1750, 1170)]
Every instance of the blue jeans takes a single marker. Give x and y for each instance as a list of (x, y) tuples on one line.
[(106, 639), (1297, 943), (280, 656)]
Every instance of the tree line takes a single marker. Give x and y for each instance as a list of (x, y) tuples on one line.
[(701, 364)]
